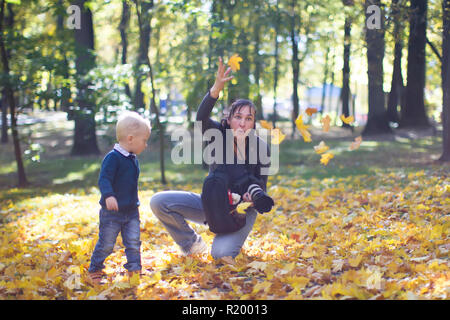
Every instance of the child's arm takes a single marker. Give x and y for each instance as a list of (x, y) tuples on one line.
[(105, 181)]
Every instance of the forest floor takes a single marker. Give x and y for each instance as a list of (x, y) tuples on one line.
[(372, 224)]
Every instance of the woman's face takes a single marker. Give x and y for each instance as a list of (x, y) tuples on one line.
[(242, 121)]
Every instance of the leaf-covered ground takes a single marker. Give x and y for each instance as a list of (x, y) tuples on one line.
[(373, 224)]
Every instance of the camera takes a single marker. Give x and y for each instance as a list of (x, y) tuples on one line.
[(262, 201), (248, 183)]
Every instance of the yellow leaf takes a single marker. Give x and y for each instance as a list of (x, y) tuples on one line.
[(326, 157), (299, 123), (259, 265), (135, 279), (262, 286), (355, 261), (297, 283), (326, 123), (266, 124), (234, 62), (347, 120), (242, 207), (303, 129), (308, 253), (355, 145), (321, 148), (277, 136)]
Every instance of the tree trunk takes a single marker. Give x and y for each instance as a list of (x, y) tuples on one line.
[(446, 82), (257, 74), (4, 101), (376, 120), (275, 73), (345, 93), (324, 82), (144, 42), (295, 68), (153, 108), (397, 88), (8, 90), (123, 26), (414, 114), (4, 117), (85, 139), (65, 89)]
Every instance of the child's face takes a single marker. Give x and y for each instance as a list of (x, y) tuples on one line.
[(138, 142)]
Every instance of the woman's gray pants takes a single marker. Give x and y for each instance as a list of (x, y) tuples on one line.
[(173, 208)]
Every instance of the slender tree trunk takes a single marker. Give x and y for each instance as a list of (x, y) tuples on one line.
[(376, 120), (330, 91), (65, 89), (4, 106), (123, 26), (414, 114), (4, 101), (258, 69), (275, 73), (85, 139), (144, 42), (446, 82), (324, 82), (295, 67), (397, 88), (8, 90), (153, 108), (345, 94)]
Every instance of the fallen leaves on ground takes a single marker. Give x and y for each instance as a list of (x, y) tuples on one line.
[(335, 238)]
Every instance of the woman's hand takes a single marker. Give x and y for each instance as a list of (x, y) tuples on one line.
[(221, 78), (246, 197)]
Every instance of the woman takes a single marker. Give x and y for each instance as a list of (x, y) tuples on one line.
[(173, 208)]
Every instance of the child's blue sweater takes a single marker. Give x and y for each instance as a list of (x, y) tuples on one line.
[(119, 178)]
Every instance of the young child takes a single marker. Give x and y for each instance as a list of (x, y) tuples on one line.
[(118, 183)]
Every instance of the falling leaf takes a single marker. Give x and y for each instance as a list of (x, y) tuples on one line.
[(265, 124), (347, 120), (303, 129), (326, 157), (326, 123), (234, 62), (277, 136), (310, 111), (355, 145), (299, 123), (241, 207), (321, 148)]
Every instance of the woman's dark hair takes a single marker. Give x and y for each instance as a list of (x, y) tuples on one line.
[(236, 106)]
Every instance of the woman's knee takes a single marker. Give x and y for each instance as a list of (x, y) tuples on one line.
[(158, 202), (224, 250)]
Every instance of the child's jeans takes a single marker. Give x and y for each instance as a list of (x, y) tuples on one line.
[(173, 208), (111, 223)]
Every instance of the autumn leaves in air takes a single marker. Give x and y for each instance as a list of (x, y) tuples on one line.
[(277, 135)]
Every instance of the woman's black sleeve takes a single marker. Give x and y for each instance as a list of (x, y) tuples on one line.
[(204, 113)]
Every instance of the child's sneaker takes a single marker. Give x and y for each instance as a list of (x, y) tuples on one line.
[(96, 277), (198, 247)]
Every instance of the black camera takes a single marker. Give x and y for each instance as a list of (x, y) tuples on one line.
[(262, 201)]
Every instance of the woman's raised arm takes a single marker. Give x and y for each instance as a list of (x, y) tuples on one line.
[(207, 104)]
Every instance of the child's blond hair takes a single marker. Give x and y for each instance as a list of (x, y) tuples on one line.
[(130, 122)]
